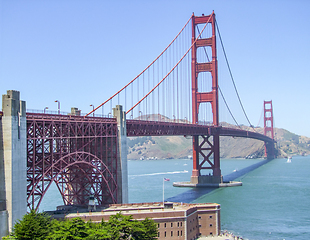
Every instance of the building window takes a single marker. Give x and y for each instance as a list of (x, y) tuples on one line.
[(200, 225), (165, 224), (181, 224), (178, 224), (165, 234), (158, 234), (178, 233), (158, 225), (181, 233), (210, 225), (171, 224), (211, 233), (171, 233), (199, 217), (210, 216)]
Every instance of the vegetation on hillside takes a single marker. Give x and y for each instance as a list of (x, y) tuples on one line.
[(41, 226)]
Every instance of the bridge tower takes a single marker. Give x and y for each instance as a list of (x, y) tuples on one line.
[(210, 144), (268, 128)]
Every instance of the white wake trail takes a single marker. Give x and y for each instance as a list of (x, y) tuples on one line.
[(159, 173)]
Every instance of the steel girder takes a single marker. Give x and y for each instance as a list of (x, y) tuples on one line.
[(153, 128), (137, 128), (78, 153)]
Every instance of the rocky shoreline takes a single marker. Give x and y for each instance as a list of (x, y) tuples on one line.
[(225, 235)]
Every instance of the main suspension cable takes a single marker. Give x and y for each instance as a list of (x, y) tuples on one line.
[(170, 70), (142, 71), (260, 118), (219, 87), (232, 75), (228, 108)]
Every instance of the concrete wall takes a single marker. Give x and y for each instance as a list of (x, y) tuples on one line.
[(3, 223), (14, 139), (122, 170), (3, 213)]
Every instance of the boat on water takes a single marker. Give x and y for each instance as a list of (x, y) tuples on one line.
[(289, 159)]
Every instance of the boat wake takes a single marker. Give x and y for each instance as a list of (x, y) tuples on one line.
[(159, 173)]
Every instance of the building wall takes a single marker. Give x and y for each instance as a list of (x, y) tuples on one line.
[(188, 221), (171, 228), (209, 222)]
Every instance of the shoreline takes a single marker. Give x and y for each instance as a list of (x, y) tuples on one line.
[(225, 235)]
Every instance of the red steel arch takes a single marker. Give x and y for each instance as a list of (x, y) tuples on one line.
[(78, 154)]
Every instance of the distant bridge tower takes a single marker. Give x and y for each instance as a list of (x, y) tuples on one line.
[(210, 144), (268, 128)]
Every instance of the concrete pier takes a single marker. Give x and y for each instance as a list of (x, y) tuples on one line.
[(13, 153), (122, 169)]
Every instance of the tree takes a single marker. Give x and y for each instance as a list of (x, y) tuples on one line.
[(151, 229), (40, 226), (32, 226), (98, 231), (125, 227), (75, 228)]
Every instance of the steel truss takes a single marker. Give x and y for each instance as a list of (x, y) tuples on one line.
[(78, 154)]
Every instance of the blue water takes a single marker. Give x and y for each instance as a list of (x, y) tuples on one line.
[(273, 202)]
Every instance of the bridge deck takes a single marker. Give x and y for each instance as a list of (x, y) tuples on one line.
[(154, 128)]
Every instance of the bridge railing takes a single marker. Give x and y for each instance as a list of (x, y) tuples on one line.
[(67, 113)]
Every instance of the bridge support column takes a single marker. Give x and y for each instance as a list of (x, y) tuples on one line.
[(206, 149), (122, 170), (13, 153), (195, 172)]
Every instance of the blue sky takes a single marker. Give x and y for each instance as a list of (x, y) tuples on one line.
[(82, 52)]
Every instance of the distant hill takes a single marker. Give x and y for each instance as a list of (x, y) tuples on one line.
[(165, 147)]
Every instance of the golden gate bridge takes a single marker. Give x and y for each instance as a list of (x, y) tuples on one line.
[(177, 94)]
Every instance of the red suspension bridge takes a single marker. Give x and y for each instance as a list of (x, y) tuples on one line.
[(177, 94)]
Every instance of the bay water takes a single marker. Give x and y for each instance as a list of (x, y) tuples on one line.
[(273, 203)]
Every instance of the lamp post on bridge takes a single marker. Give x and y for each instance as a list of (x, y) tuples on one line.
[(91, 105), (58, 106), (45, 109)]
